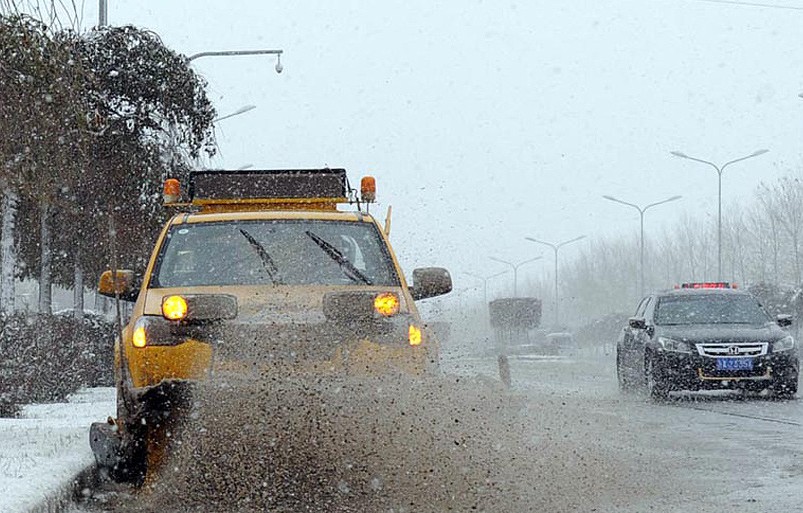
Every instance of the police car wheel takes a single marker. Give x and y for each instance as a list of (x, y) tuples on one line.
[(785, 387), (657, 389), (625, 384)]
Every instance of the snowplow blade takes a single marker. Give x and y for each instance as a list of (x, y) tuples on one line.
[(105, 441)]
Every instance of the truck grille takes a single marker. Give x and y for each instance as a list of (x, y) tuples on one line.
[(720, 350)]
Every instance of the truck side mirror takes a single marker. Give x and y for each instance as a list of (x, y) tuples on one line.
[(124, 282), (430, 282)]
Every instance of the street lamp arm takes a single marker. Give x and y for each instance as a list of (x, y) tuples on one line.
[(684, 156), (667, 200), (513, 265), (542, 242), (515, 269), (495, 275), (502, 261), (570, 241), (556, 247), (754, 154), (233, 52), (477, 276), (615, 200), (529, 260)]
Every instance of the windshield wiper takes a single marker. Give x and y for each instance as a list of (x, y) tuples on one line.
[(345, 264), (267, 262)]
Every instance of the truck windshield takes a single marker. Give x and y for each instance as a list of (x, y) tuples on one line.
[(274, 252), (709, 309)]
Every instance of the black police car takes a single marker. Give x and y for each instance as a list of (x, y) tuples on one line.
[(706, 336)]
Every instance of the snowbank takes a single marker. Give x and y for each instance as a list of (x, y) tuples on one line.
[(43, 450)]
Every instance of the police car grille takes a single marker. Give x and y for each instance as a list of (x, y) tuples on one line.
[(725, 349)]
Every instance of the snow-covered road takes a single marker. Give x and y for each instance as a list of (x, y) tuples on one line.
[(46, 447)]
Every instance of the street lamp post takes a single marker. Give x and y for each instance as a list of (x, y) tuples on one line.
[(555, 248), (641, 211), (484, 282), (515, 270), (227, 53), (720, 170)]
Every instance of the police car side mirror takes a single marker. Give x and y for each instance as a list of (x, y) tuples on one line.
[(125, 282), (430, 282), (637, 323), (784, 320)]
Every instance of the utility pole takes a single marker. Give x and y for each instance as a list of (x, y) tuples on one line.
[(103, 13)]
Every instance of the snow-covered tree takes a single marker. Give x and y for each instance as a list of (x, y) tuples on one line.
[(98, 121)]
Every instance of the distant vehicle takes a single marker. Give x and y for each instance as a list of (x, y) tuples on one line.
[(706, 336), (264, 256), (562, 343)]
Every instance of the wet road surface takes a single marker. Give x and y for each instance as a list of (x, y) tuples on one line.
[(713, 451)]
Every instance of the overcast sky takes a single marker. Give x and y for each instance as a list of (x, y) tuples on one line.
[(488, 121)]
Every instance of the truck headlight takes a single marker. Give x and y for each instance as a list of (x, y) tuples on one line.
[(784, 344), (174, 308), (675, 346)]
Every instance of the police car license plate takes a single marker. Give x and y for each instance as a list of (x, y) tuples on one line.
[(734, 364)]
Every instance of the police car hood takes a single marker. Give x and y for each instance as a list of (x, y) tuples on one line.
[(281, 304), (766, 332)]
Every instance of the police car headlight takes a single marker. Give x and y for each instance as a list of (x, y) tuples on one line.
[(784, 344), (676, 346)]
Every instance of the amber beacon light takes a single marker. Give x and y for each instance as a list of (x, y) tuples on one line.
[(140, 338), (368, 189), (414, 335), (172, 190)]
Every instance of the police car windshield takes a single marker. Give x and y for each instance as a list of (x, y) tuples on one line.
[(272, 252), (709, 309)]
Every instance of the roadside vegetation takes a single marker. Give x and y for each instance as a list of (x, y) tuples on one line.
[(47, 357), (92, 122)]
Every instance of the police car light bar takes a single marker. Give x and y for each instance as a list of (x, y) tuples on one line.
[(708, 285), (253, 184)]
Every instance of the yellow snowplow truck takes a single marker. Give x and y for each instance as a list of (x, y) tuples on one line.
[(289, 261)]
